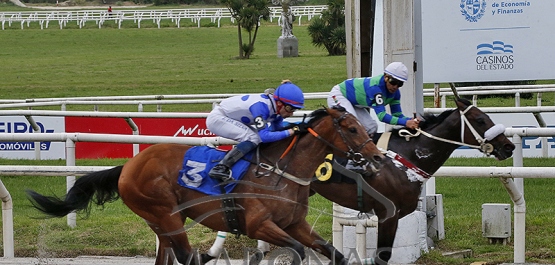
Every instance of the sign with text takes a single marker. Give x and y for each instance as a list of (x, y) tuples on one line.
[(26, 149), (190, 127), (487, 40)]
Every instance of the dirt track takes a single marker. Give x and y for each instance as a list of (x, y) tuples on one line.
[(83, 260)]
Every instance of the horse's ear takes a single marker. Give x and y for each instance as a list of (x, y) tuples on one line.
[(459, 104), (454, 89), (339, 108), (457, 98), (462, 103)]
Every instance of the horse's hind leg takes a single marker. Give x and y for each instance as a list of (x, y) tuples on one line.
[(174, 243), (168, 226), (162, 254), (304, 233)]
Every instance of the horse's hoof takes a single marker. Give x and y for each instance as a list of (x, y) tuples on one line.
[(204, 258), (256, 258)]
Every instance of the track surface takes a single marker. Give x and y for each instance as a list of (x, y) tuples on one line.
[(83, 260), (103, 260)]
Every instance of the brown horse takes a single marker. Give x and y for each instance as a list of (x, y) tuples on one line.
[(271, 204), (390, 193), (423, 151)]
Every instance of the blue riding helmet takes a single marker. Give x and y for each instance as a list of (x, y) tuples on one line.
[(290, 94)]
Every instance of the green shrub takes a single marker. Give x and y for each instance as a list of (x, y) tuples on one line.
[(329, 30)]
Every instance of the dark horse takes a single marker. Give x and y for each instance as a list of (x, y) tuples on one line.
[(270, 208), (425, 151)]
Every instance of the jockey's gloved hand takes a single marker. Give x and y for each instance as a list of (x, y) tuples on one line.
[(301, 128)]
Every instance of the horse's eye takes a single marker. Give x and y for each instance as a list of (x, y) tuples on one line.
[(353, 130), (481, 121)]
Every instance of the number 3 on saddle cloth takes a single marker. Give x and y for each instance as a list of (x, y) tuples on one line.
[(199, 160)]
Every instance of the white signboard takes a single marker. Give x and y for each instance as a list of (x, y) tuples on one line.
[(26, 150), (487, 40)]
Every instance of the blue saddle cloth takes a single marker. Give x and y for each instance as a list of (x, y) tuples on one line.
[(198, 161)]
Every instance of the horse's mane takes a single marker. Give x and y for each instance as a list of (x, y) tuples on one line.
[(314, 116), (320, 113), (431, 120)]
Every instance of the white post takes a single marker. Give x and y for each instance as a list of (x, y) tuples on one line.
[(519, 206), (337, 228), (70, 180), (7, 221), (360, 230)]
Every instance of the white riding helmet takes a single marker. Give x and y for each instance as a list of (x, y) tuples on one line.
[(398, 71)]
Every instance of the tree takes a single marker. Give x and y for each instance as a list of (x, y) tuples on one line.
[(329, 30), (247, 15)]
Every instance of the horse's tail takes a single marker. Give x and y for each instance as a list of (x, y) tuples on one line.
[(104, 183)]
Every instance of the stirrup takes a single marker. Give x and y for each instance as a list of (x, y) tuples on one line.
[(226, 179), (221, 175)]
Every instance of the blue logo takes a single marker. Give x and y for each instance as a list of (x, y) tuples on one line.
[(497, 47), (472, 10), (496, 55), (22, 127)]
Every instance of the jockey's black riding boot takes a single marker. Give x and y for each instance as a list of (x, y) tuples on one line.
[(222, 170)]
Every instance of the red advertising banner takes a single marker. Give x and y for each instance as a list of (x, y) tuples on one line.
[(177, 127)]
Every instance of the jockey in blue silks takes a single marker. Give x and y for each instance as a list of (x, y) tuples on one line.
[(253, 119)]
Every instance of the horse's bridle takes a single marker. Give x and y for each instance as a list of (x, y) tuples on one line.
[(484, 146), (352, 154)]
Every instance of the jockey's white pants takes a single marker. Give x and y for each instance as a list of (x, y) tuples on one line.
[(218, 123), (362, 113)]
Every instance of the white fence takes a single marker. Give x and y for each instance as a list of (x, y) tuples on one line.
[(100, 17), (516, 90), (160, 100), (71, 170), (504, 174), (139, 101)]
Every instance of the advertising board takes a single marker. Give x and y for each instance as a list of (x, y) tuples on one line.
[(189, 127), (487, 40), (26, 150)]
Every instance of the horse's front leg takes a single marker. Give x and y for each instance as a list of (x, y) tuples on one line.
[(304, 233), (386, 235)]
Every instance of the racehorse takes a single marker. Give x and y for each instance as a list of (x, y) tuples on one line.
[(271, 201), (422, 152)]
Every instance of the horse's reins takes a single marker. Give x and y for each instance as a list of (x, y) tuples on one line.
[(354, 155), (484, 147), (281, 172), (487, 148)]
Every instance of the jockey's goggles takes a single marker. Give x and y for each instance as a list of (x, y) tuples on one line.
[(289, 108), (395, 82)]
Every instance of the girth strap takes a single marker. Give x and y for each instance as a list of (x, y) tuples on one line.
[(228, 204)]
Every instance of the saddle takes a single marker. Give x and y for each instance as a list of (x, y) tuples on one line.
[(197, 162)]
